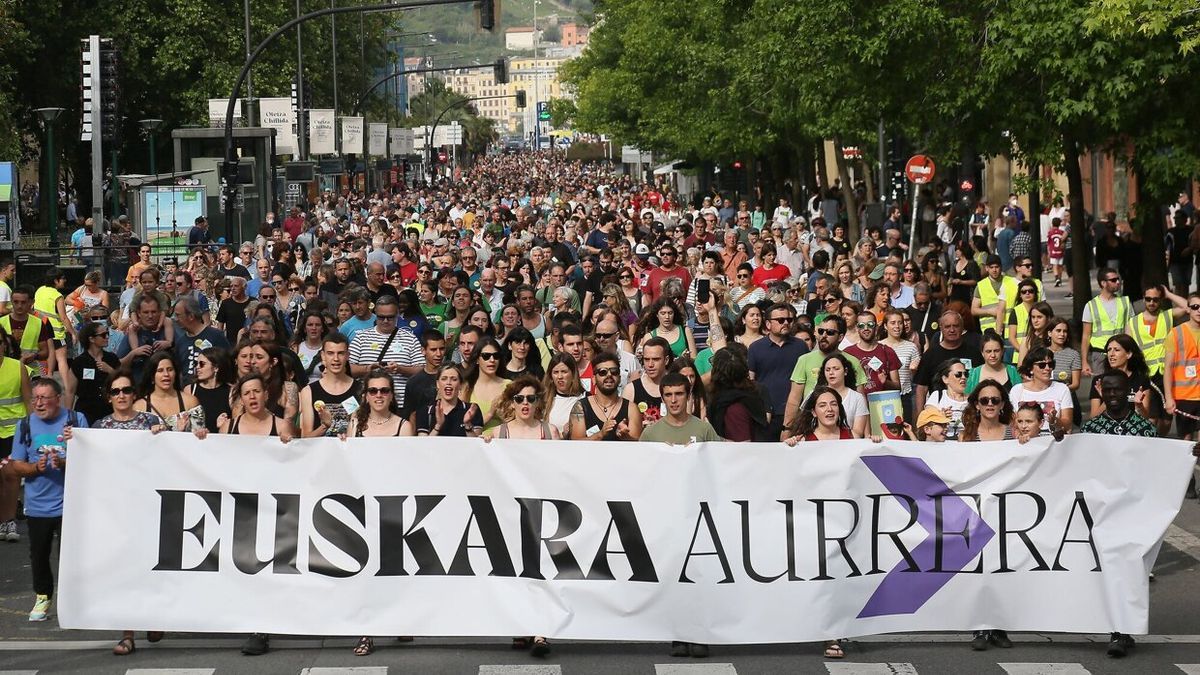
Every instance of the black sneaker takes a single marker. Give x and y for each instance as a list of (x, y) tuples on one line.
[(1000, 639), (680, 649), (257, 644), (698, 650), (979, 643), (1119, 644)]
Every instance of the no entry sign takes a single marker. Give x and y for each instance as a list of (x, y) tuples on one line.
[(919, 169)]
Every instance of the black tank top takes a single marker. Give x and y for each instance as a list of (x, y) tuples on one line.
[(593, 420), (340, 406), (238, 420), (653, 406), (214, 402)]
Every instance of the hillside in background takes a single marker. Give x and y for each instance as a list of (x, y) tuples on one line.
[(456, 29)]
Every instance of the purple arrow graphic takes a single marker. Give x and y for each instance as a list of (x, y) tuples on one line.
[(904, 592)]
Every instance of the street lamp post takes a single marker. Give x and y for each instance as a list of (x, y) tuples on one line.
[(150, 126), (48, 116)]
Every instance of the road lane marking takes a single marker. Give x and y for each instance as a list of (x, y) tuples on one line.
[(520, 670), (1044, 668), (1183, 540), (871, 669), (694, 669)]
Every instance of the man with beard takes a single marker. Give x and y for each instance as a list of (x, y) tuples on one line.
[(604, 416), (830, 332)]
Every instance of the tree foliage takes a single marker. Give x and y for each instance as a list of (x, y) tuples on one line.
[(1177, 18)]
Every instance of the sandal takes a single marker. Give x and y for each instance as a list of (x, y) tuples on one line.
[(365, 646), (540, 647), (125, 647), (833, 650), (154, 636), (520, 643)]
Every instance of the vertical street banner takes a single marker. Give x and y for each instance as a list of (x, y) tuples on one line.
[(277, 114), (352, 135), (216, 112), (321, 140), (377, 139), (402, 141), (712, 542)]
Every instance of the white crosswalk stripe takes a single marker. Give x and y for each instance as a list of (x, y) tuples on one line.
[(520, 670), (870, 669), (352, 670), (1044, 669), (1189, 668), (170, 671), (694, 669), (18, 672)]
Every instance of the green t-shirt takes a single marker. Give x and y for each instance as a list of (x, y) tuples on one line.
[(704, 361), (807, 367), (695, 429), (435, 315)]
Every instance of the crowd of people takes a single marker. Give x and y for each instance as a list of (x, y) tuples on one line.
[(539, 299)]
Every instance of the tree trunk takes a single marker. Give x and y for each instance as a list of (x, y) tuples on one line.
[(1081, 283), (853, 230), (804, 185), (822, 174), (869, 179), (1150, 199)]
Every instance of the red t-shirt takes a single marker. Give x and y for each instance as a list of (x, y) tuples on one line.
[(652, 286), (408, 274), (1054, 242), (763, 276), (876, 363)]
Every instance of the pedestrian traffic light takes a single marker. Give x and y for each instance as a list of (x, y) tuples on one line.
[(520, 98), (500, 71), (110, 92), (487, 14)]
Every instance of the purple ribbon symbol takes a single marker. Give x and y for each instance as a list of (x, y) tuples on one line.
[(904, 592)]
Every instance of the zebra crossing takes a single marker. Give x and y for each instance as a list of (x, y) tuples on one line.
[(833, 668)]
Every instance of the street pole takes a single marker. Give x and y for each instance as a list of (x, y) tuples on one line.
[(48, 116), (333, 34), (229, 168), (249, 82), (301, 115), (912, 233), (537, 79), (115, 186), (881, 178)]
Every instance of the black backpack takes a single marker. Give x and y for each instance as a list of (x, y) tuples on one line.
[(26, 436)]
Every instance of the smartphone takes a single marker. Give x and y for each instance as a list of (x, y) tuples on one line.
[(702, 290)]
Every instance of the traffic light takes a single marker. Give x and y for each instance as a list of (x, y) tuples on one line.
[(500, 71), (487, 14), (520, 98), (110, 92)]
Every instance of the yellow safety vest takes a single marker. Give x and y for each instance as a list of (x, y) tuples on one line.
[(989, 296), (1022, 315), (1105, 326), (30, 339), (1152, 346), (12, 405), (45, 305)]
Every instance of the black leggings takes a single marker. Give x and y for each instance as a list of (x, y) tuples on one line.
[(41, 543)]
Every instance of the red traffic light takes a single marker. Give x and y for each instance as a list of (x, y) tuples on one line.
[(737, 164)]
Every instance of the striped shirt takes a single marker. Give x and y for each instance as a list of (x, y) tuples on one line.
[(404, 350)]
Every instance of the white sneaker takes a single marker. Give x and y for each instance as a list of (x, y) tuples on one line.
[(9, 530)]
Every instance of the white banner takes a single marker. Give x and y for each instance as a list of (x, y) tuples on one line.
[(712, 543), (277, 114), (352, 135), (320, 133), (377, 138), (402, 141), (216, 112)]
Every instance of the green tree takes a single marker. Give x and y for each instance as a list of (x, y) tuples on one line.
[(1177, 18), (562, 112)]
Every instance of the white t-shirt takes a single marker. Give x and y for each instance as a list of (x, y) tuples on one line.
[(1053, 399), (855, 405), (952, 408)]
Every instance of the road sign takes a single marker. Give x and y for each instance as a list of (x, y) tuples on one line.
[(543, 111), (919, 169), (851, 152)]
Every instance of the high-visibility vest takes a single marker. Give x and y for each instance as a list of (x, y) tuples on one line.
[(1152, 346), (45, 303), (12, 405), (989, 296), (30, 339), (1185, 375), (1105, 326), (1022, 315)]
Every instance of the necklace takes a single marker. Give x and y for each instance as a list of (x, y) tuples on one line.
[(378, 423)]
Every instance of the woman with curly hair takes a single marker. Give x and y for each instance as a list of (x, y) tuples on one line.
[(988, 415), (1123, 354), (523, 406)]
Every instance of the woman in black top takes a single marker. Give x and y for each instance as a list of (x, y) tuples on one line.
[(256, 419), (964, 276), (449, 415), (91, 370), (214, 375), (379, 415), (523, 357)]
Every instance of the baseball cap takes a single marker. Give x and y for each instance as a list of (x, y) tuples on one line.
[(441, 241), (877, 273), (932, 415), (642, 251)]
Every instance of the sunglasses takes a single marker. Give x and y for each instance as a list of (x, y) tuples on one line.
[(266, 297), (827, 331), (990, 400), (743, 276), (1113, 280), (1194, 307), (117, 391), (376, 391), (385, 317), (606, 372), (102, 335), (606, 336), (961, 374), (489, 356), (293, 289), (526, 398), (1152, 299), (866, 325), (780, 319), (1044, 364), (830, 301), (1028, 291), (1024, 264)]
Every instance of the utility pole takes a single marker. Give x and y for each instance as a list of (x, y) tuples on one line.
[(301, 114)]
